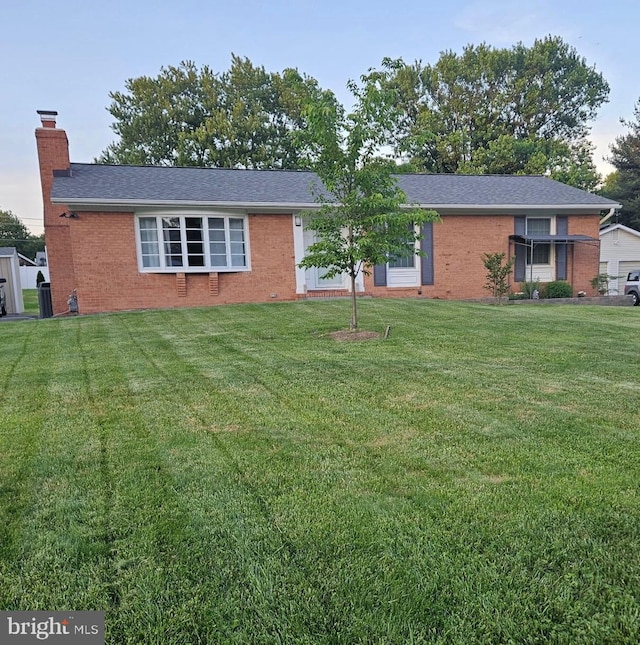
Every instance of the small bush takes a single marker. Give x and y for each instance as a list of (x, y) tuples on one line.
[(527, 288), (558, 289)]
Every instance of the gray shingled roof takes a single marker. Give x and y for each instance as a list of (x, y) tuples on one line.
[(96, 184)]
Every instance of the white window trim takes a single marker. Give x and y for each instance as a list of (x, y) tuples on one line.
[(552, 231), (183, 214)]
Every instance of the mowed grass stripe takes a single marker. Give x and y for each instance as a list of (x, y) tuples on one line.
[(265, 484)]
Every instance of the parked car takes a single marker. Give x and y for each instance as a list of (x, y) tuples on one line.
[(632, 286)]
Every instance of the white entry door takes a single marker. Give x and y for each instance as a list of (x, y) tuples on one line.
[(315, 277)]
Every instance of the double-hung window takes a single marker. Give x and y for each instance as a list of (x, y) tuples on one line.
[(192, 243), (541, 252), (408, 259)]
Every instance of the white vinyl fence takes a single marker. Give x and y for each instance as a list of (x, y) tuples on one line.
[(28, 276)]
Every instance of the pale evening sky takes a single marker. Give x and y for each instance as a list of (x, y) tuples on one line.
[(67, 55)]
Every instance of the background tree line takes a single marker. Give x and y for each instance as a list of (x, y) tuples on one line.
[(518, 110), (523, 110), (14, 233)]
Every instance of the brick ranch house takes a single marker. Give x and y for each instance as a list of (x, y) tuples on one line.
[(132, 237)]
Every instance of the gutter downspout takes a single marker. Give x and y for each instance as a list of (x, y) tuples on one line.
[(608, 216)]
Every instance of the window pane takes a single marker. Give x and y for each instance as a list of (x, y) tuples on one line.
[(172, 246), (538, 226), (541, 254), (402, 263), (219, 261), (148, 222), (149, 247), (407, 261), (195, 245), (171, 222), (151, 261), (193, 222)]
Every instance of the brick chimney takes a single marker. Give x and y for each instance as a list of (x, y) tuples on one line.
[(53, 154)]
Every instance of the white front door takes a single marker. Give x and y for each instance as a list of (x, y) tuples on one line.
[(315, 277)]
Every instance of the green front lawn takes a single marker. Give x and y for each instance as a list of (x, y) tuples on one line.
[(234, 475), (30, 299)]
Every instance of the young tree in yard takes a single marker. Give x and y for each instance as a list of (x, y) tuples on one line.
[(498, 273), (363, 219)]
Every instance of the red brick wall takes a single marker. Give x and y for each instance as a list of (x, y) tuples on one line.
[(105, 264), (459, 242), (107, 276), (53, 154), (584, 261)]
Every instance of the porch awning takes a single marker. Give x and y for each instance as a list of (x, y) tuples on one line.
[(547, 239)]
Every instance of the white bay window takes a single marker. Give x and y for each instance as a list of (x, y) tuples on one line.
[(192, 243)]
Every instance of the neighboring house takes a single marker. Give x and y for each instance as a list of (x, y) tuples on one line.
[(619, 254), (132, 237), (10, 269), (25, 261)]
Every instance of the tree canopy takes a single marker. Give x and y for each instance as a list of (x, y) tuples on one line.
[(242, 118), (624, 184), (14, 233), (363, 219), (523, 110)]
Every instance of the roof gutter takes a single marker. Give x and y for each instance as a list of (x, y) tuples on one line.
[(288, 206)]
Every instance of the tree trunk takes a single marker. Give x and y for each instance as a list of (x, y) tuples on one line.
[(353, 325)]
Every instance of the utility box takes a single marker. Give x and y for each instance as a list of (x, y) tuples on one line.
[(44, 300)]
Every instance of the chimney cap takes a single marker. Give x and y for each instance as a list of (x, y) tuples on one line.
[(48, 118)]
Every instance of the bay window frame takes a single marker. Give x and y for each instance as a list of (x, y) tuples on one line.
[(189, 241)]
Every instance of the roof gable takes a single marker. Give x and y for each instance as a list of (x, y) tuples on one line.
[(619, 227)]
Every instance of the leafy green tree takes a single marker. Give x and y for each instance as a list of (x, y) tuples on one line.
[(14, 233), (498, 272), (624, 184), (362, 219), (518, 110), (244, 117)]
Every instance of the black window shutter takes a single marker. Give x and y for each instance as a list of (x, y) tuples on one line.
[(380, 275), (520, 266), (562, 228), (426, 261)]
